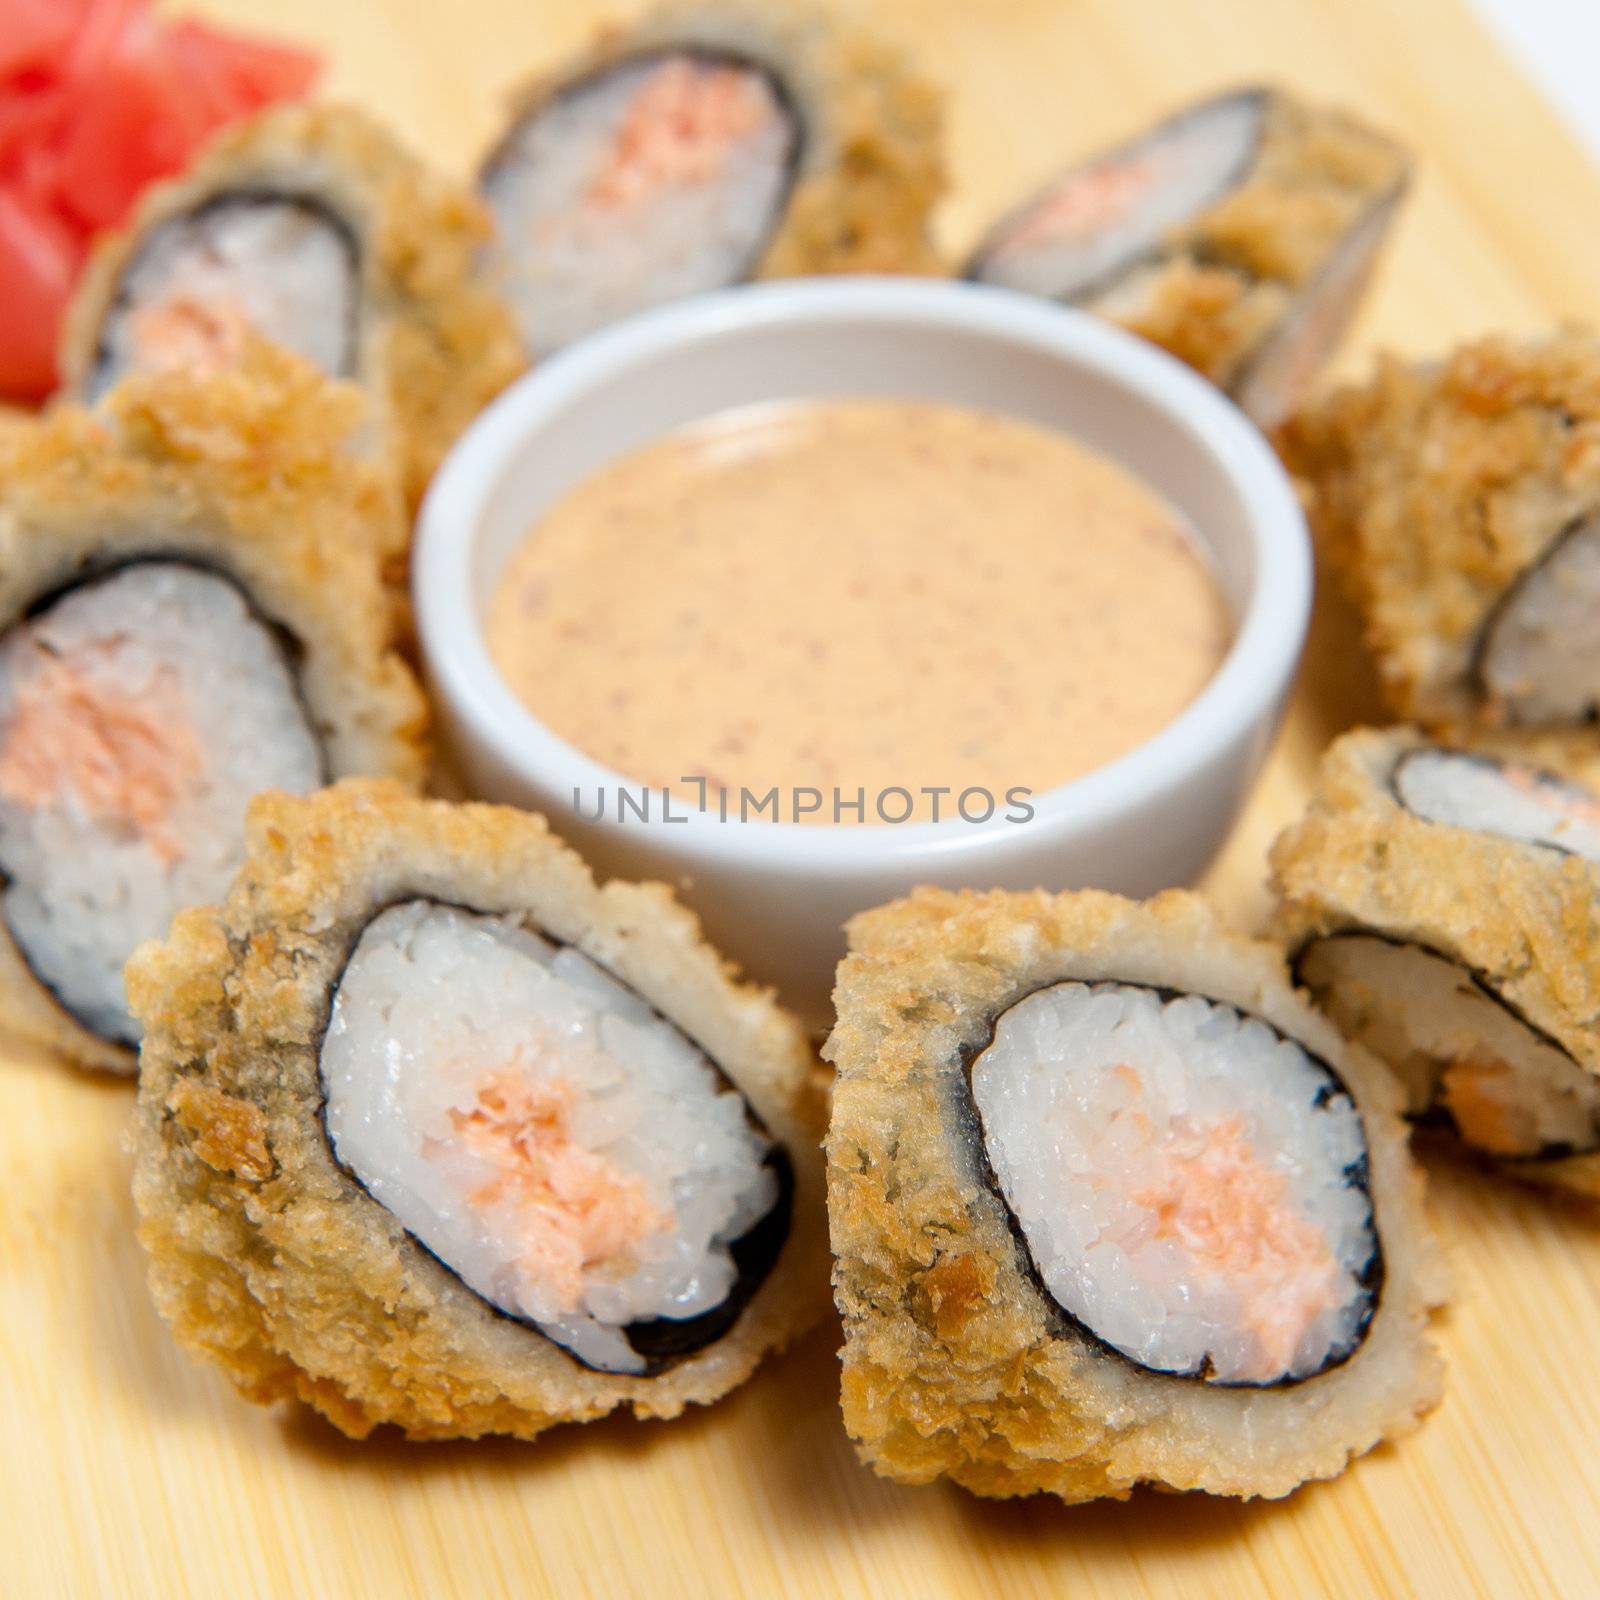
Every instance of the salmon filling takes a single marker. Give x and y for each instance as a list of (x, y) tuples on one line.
[(1565, 804), (188, 335), (1234, 1221), (139, 713), (1462, 789), (597, 1178), (281, 265), (656, 178), (572, 1210), (1102, 198), (1481, 1097), (1457, 1046), (1084, 233), (73, 740), (680, 129), (1190, 1185)]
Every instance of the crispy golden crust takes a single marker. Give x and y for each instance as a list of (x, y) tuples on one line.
[(952, 1362), (1524, 918), (1228, 277), (270, 1260), (872, 164), (1208, 315), (1318, 169), (436, 342), (14, 423), (1433, 487), (246, 472)]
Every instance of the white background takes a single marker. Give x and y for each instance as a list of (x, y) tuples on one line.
[(1558, 44)]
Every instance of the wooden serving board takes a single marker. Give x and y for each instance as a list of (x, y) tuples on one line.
[(127, 1470)]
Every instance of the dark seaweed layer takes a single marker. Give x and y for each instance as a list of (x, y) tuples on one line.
[(1130, 149), (501, 155), (1435, 1115), (662, 1341), (291, 652), (103, 374), (1357, 1174)]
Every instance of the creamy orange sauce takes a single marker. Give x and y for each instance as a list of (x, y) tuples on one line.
[(859, 595)]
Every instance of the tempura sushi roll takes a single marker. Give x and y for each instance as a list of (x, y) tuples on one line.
[(1443, 907), (190, 611), (1239, 234), (1461, 503), (314, 227), (434, 1131), (1111, 1205), (703, 146)]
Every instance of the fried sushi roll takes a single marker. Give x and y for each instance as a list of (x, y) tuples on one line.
[(1460, 502), (1443, 907), (434, 1131), (704, 146), (312, 226), (1240, 234), (190, 611), (1111, 1205)]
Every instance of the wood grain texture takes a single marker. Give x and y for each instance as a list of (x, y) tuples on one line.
[(125, 1470)]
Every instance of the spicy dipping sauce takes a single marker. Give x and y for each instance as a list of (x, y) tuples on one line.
[(858, 594)]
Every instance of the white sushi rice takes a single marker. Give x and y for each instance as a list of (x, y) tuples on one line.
[(1541, 650), (442, 1012), (1179, 1173), (1487, 796), (139, 714), (279, 264), (1103, 217), (574, 265), (1509, 1090)]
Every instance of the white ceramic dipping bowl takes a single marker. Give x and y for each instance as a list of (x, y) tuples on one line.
[(775, 895)]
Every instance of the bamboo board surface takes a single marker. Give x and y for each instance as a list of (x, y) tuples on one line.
[(127, 1470)]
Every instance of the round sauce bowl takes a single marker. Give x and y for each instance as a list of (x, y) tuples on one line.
[(775, 895)]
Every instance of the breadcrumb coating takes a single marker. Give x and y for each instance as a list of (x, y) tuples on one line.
[(1224, 282), (954, 1363), (247, 471), (872, 163), (436, 341), (1433, 487), (1231, 273), (1523, 918), (270, 1261)]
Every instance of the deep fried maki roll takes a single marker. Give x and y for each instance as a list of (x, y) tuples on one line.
[(1239, 234), (312, 226), (190, 611), (434, 1131), (704, 146), (1111, 1205), (1461, 503), (1443, 907)]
